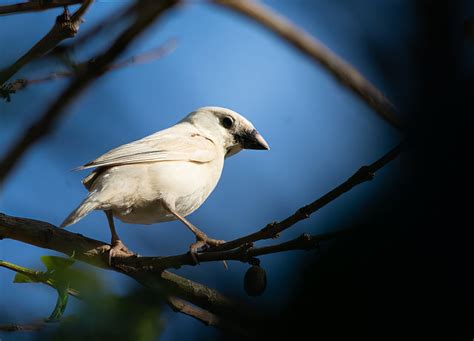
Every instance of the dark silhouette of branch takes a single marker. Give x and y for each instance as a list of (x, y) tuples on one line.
[(145, 57), (341, 70), (114, 18), (35, 6), (66, 26), (145, 16), (365, 173)]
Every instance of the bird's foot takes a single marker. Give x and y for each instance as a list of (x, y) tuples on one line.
[(117, 250), (213, 242), (202, 242)]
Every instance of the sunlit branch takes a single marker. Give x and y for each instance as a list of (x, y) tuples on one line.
[(66, 26)]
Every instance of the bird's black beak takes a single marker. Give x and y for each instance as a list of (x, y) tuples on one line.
[(252, 140)]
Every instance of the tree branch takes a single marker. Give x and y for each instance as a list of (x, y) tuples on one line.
[(301, 40), (145, 57), (209, 319), (66, 26), (175, 303), (94, 252), (35, 6), (365, 173), (115, 18), (145, 16), (244, 253)]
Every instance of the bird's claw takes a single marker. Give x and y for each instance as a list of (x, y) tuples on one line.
[(202, 242), (117, 250), (213, 242), (193, 250)]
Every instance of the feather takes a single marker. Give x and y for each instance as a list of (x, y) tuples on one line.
[(167, 145), (88, 205)]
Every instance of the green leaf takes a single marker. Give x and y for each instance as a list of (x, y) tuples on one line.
[(55, 263), (61, 304), (22, 278), (58, 276)]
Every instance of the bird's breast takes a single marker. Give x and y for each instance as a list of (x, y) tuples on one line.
[(183, 186)]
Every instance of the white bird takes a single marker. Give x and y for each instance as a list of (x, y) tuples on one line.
[(167, 175)]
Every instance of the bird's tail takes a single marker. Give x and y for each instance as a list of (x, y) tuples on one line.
[(88, 205)]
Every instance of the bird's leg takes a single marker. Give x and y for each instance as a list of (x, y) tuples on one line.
[(117, 245), (201, 238)]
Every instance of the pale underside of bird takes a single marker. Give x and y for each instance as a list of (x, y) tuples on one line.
[(167, 175)]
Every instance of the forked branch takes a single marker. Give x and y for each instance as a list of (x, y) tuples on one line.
[(365, 173), (66, 26)]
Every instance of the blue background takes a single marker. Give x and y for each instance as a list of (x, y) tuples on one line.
[(319, 134)]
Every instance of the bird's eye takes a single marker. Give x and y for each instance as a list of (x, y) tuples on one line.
[(227, 122)]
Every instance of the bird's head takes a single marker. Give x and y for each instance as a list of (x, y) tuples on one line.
[(228, 128)]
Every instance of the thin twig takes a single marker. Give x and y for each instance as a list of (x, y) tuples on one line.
[(182, 306), (244, 253), (113, 19), (66, 26), (146, 57), (204, 316), (35, 6), (365, 173), (153, 54), (146, 15), (37, 276), (316, 50)]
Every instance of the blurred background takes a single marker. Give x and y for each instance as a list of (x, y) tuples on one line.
[(372, 284)]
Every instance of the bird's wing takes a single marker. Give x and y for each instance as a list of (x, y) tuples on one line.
[(162, 146)]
